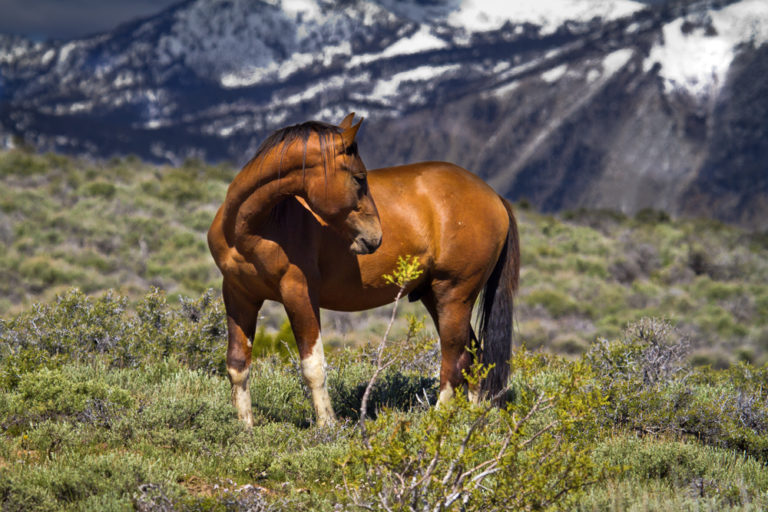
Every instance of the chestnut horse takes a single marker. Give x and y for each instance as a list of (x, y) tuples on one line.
[(300, 226)]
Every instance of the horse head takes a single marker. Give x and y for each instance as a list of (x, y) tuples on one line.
[(336, 189)]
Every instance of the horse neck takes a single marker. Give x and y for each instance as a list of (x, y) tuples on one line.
[(258, 189)]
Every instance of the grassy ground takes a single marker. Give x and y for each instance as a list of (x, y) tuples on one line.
[(118, 400), (108, 409)]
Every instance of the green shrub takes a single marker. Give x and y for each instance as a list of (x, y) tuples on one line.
[(651, 389), (393, 389), (45, 394), (651, 216), (188, 423), (78, 327), (677, 475), (22, 163), (43, 271), (533, 454), (281, 343), (555, 302), (100, 188), (278, 395)]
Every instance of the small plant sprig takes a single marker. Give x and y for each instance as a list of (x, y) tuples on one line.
[(407, 270)]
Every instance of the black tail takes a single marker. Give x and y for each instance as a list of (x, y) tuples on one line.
[(495, 313)]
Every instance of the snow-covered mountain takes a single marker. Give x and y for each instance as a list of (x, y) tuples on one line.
[(568, 103)]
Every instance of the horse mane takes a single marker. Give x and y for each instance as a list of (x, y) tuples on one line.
[(297, 132), (302, 132)]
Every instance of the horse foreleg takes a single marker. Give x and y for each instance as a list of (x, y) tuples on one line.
[(241, 324), (304, 315), (313, 371)]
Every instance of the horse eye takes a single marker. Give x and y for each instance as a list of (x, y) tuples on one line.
[(359, 179)]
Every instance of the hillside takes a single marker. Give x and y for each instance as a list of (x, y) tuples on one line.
[(117, 398), (587, 103), (107, 404), (129, 226)]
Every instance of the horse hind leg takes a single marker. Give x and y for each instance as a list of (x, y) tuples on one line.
[(241, 325), (452, 318)]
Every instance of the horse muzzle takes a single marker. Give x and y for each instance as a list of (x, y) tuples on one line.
[(365, 244)]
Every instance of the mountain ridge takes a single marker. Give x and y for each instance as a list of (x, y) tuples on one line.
[(565, 109)]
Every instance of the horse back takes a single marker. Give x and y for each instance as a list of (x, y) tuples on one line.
[(452, 208)]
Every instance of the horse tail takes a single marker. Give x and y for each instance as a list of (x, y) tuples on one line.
[(495, 320)]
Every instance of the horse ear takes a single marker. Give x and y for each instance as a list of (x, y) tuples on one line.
[(347, 122), (348, 135)]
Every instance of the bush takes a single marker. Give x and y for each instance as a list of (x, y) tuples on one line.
[(695, 477), (651, 389), (53, 394), (651, 216), (78, 327), (533, 454), (100, 188), (555, 302)]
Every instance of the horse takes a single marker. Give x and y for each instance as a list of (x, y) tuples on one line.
[(306, 224)]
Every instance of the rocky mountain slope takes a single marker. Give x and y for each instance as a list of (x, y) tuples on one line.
[(586, 103)]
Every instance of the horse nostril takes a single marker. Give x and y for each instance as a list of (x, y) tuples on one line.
[(370, 246)]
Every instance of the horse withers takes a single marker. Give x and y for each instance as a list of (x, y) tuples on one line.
[(305, 224)]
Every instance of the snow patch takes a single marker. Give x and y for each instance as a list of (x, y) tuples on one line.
[(335, 82), (72, 108), (614, 61), (479, 15), (387, 88), (698, 62), (505, 89), (48, 57), (12, 54), (420, 41), (694, 62), (229, 130), (65, 51), (305, 10), (554, 74), (124, 79), (743, 22), (501, 66), (253, 74)]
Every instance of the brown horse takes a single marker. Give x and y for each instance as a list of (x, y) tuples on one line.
[(300, 226)]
